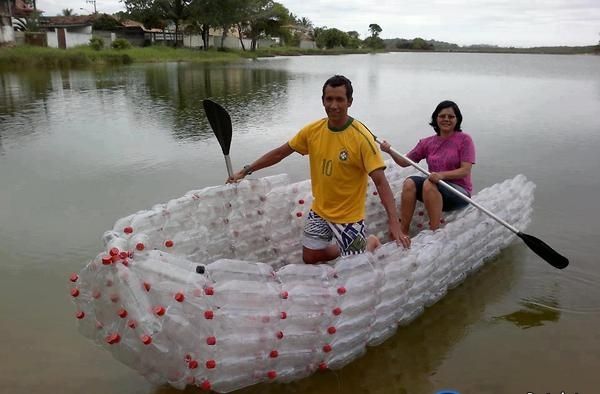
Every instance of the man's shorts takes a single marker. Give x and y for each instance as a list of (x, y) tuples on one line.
[(450, 201), (318, 234)]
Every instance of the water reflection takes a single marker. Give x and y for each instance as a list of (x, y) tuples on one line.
[(535, 313), (170, 94), (179, 90)]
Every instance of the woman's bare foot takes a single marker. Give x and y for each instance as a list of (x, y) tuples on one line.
[(373, 243)]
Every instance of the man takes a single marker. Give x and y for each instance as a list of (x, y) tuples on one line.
[(342, 153)]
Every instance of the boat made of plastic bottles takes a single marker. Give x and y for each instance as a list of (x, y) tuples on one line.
[(210, 290)]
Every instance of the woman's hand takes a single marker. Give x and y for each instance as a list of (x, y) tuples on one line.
[(435, 177)]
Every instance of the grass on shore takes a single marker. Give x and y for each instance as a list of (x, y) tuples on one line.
[(83, 56)]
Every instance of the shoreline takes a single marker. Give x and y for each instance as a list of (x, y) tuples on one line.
[(26, 57)]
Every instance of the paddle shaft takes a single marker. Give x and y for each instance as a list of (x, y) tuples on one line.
[(229, 167), (456, 192)]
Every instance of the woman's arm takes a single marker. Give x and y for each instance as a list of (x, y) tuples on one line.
[(461, 172)]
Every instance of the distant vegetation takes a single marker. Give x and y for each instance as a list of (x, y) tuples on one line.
[(419, 44)]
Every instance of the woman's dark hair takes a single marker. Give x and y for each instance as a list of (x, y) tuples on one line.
[(443, 105), (339, 80)]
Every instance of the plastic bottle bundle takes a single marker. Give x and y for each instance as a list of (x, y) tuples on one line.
[(287, 207), (203, 290), (240, 325), (354, 314), (396, 267), (310, 295)]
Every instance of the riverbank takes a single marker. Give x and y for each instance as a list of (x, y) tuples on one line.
[(49, 58)]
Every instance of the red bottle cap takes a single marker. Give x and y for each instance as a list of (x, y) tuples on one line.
[(279, 334), (272, 374), (323, 367), (139, 246), (193, 364), (113, 338), (331, 330), (209, 291), (146, 339), (159, 310), (327, 348), (283, 315), (284, 295), (169, 243), (337, 311), (341, 290), (210, 341), (301, 201), (74, 292), (210, 364), (73, 277), (122, 313), (147, 286), (205, 385), (80, 315), (123, 255), (128, 230), (106, 260), (132, 324), (208, 315), (274, 354), (179, 297), (113, 251), (299, 214)]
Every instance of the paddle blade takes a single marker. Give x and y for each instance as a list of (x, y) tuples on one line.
[(220, 122), (543, 250)]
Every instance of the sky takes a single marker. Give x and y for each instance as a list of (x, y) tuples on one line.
[(518, 23)]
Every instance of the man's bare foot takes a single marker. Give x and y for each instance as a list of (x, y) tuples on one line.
[(373, 243)]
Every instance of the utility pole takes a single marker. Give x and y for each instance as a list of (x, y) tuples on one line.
[(94, 3)]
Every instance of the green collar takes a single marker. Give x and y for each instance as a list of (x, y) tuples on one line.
[(344, 127)]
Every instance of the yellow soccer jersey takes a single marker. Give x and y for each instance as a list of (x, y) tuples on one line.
[(340, 161)]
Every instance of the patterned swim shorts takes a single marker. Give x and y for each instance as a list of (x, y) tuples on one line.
[(318, 233)]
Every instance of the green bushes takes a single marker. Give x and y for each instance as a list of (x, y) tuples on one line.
[(121, 43), (96, 43)]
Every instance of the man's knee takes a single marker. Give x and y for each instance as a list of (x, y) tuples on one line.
[(315, 256)]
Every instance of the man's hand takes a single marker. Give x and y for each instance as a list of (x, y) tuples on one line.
[(235, 178), (397, 235)]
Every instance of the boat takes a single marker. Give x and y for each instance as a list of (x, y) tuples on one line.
[(209, 289)]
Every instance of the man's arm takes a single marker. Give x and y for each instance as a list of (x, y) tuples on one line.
[(268, 159), (389, 203)]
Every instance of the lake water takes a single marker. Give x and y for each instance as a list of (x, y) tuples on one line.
[(80, 149)]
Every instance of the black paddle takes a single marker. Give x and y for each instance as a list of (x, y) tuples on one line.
[(220, 122), (540, 248)]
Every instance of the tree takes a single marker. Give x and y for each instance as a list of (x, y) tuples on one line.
[(332, 38), (375, 29), (265, 18), (67, 11), (420, 44), (354, 40), (175, 11), (374, 42), (145, 11)]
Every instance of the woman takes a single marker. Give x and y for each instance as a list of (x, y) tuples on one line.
[(450, 154)]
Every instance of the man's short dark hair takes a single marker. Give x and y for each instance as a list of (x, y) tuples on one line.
[(339, 80)]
